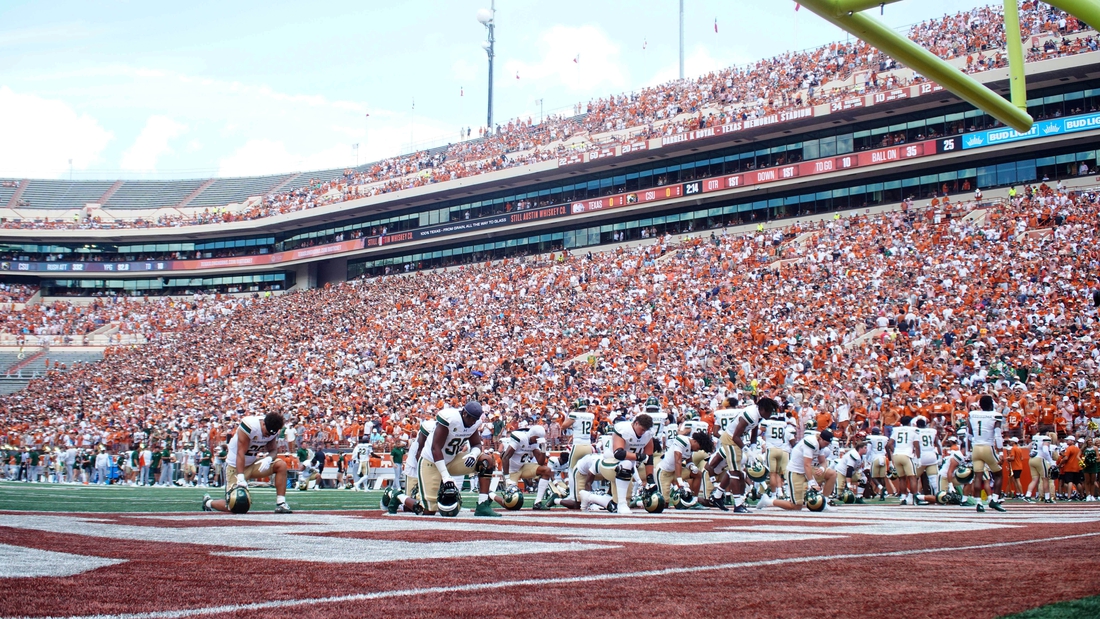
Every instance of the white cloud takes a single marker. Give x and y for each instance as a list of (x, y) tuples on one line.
[(698, 62), (42, 135), (151, 143), (262, 157), (600, 65), (464, 71)]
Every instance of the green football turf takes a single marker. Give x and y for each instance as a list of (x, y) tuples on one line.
[(1085, 608), (78, 498)]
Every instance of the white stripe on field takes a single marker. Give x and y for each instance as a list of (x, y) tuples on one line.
[(379, 595)]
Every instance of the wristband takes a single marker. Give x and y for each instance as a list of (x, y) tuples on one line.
[(444, 474)]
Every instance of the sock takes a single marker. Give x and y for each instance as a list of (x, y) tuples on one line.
[(280, 500), (401, 498), (543, 485), (492, 496), (621, 487), (1046, 495), (601, 499), (738, 499), (482, 497), (995, 498)]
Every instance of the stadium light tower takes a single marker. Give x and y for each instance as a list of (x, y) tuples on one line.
[(487, 17), (682, 40)]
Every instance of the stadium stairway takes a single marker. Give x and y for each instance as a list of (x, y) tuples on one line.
[(110, 192), (18, 193), (194, 194)]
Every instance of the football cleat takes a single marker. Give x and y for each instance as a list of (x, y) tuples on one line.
[(485, 509), (393, 505), (858, 501), (612, 507), (981, 508), (282, 508), (741, 509), (720, 504), (997, 506), (540, 506), (206, 503)]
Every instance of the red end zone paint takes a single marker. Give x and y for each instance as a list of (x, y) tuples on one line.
[(183, 574)]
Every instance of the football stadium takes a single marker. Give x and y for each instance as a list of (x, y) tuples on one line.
[(807, 335)]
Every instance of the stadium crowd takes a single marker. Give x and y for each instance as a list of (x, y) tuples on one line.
[(790, 81), (850, 324)]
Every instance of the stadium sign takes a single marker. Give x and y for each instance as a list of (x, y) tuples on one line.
[(1043, 128)]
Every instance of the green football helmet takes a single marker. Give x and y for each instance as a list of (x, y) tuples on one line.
[(757, 472), (513, 498), (449, 500), (654, 502), (238, 499), (815, 501)]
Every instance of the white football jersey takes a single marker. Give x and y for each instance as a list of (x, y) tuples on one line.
[(777, 433), (258, 442), (727, 419), (603, 445), (582, 427), (983, 428), (806, 448), (426, 428), (878, 445), (695, 425), (928, 453), (587, 464), (850, 460), (904, 437), (523, 450), (458, 434), (361, 453), (635, 443), (678, 448)]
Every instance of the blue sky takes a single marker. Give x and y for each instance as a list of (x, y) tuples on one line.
[(130, 89)]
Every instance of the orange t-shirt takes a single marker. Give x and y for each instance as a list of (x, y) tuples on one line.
[(1021, 457), (1071, 460)]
